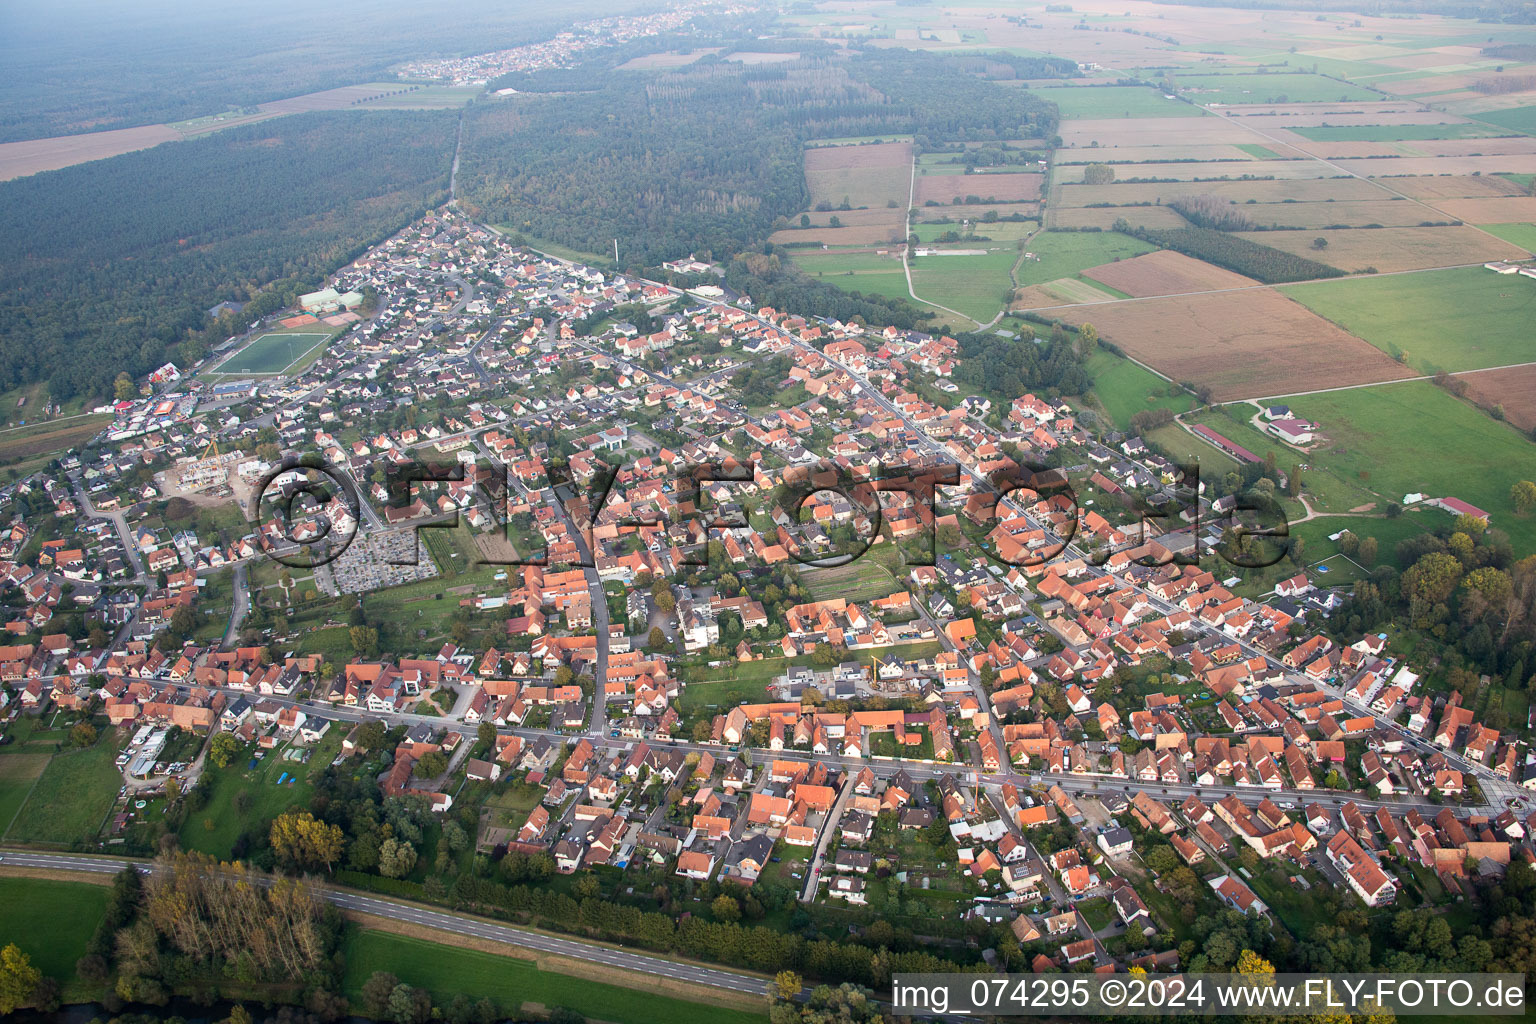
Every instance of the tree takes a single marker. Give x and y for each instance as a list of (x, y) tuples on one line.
[(1367, 552), (222, 749), (83, 734), (124, 388), (365, 639), (18, 978), (725, 908), (1098, 174), (787, 984), (397, 858), (409, 1005), (430, 765), (486, 733), (302, 841), (1319, 243), (1523, 496)]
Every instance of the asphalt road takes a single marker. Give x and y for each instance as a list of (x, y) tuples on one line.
[(459, 924)]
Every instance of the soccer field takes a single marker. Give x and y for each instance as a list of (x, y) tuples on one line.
[(271, 353)]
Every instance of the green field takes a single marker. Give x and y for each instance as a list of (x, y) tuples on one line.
[(1270, 88), (72, 796), (1124, 389), (1463, 319), (1392, 132), (50, 921), (1523, 235), (447, 971), (1068, 253), (977, 286), (1104, 101), (272, 353), (19, 769), (1521, 119), (1388, 441)]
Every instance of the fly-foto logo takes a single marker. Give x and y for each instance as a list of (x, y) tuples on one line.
[(823, 514)]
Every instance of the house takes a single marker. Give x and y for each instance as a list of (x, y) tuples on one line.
[(1115, 841)]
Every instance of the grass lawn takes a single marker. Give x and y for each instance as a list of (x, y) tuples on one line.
[(50, 921), (447, 971), (267, 798), (71, 797), (1523, 235), (1098, 912), (1182, 447), (1124, 389), (1463, 319), (1103, 101)]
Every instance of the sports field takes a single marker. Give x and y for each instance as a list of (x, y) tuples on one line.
[(271, 353)]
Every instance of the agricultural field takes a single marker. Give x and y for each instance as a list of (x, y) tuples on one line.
[(872, 175), (1240, 89), (71, 798), (945, 189), (19, 159), (1523, 235), (1391, 249), (1460, 319), (1093, 102), (513, 982), (23, 449), (1165, 272), (1393, 132), (273, 353), (1240, 344), (1513, 390), (51, 921)]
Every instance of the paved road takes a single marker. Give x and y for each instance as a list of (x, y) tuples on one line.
[(241, 609), (123, 533), (459, 924)]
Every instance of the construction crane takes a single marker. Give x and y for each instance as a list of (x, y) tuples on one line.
[(212, 451)]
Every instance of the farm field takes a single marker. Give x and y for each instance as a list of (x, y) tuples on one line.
[(1202, 172), (1187, 124), (1461, 319), (1523, 235), (1240, 344), (71, 798), (870, 175), (1521, 119), (19, 159), (511, 982), (1068, 253), (1064, 291), (1391, 249), (1122, 101), (1514, 389), (1501, 210), (1104, 218), (1296, 190), (21, 447), (272, 353), (1392, 132), (1240, 89), (1165, 272), (946, 188), (1459, 186), (51, 921)]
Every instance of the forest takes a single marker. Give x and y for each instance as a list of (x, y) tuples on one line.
[(1008, 367), (709, 156), (111, 266), (1260, 262)]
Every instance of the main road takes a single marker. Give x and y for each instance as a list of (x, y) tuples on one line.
[(447, 921)]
